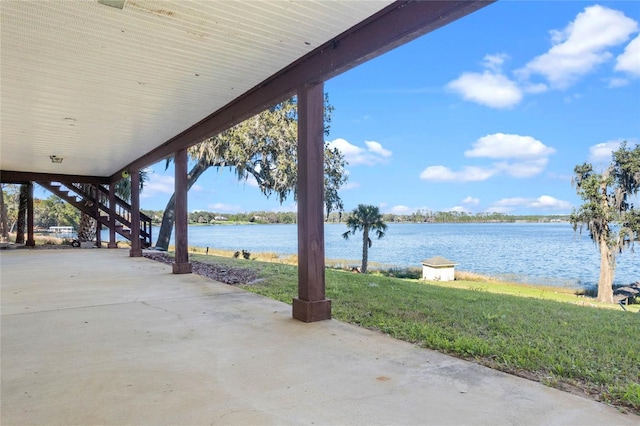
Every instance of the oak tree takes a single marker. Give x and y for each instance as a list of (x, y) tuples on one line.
[(608, 211)]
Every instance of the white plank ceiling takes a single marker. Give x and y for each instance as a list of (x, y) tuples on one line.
[(101, 86)]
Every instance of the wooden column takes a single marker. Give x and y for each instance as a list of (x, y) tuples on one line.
[(96, 214), (112, 216), (98, 235), (136, 247), (31, 242), (311, 304), (181, 264)]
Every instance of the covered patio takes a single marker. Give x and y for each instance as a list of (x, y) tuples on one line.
[(96, 90), (96, 337)]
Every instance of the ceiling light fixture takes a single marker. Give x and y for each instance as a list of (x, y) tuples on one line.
[(118, 4), (55, 159)]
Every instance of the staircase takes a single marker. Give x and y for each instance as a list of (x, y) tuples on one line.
[(94, 201)]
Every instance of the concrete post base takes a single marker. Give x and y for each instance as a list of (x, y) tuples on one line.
[(311, 311), (135, 252), (112, 245), (182, 268)]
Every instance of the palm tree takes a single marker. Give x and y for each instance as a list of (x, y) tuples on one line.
[(365, 218)]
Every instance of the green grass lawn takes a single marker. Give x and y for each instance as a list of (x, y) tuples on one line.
[(585, 349)]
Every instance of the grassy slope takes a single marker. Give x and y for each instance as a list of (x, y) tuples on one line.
[(583, 349)]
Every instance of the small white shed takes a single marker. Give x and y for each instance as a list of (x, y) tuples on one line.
[(438, 269)]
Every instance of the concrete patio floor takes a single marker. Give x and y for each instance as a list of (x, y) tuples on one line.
[(95, 337)]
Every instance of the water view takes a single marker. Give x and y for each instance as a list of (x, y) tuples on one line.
[(535, 253)]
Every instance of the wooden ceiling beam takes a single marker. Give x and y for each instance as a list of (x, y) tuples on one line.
[(10, 176), (393, 26)]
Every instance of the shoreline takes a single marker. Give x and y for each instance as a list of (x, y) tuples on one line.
[(46, 240), (375, 268)]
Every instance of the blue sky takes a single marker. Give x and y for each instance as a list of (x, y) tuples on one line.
[(490, 113)]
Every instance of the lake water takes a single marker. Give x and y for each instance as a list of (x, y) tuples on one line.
[(541, 253), (537, 253)]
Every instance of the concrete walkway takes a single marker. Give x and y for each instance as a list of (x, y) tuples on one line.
[(95, 337)]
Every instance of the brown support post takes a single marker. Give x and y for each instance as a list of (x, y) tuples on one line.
[(99, 235), (31, 242), (181, 264), (311, 304), (96, 213), (136, 247), (112, 217)]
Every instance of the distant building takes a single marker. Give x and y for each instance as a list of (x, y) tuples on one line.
[(438, 269)]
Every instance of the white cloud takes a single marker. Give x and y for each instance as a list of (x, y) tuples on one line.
[(544, 202), (510, 202), (355, 155), (576, 50), (491, 89), (494, 62), (459, 209), (618, 82), (400, 209), (376, 148), (528, 157), (548, 202), (530, 154), (601, 153), (501, 145), (158, 184), (581, 46), (629, 60), (523, 169), (467, 174), (499, 209), (223, 208), (471, 201), (534, 89), (286, 208)]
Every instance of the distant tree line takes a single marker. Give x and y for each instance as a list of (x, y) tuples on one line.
[(253, 217), (53, 211), (420, 216)]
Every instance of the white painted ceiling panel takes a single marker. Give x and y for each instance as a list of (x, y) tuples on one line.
[(100, 86)]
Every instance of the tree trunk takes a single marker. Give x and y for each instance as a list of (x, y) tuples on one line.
[(607, 256), (607, 273), (169, 216), (86, 228), (4, 230), (168, 219), (22, 213), (365, 249)]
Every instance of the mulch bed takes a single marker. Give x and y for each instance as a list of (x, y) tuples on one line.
[(232, 276)]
